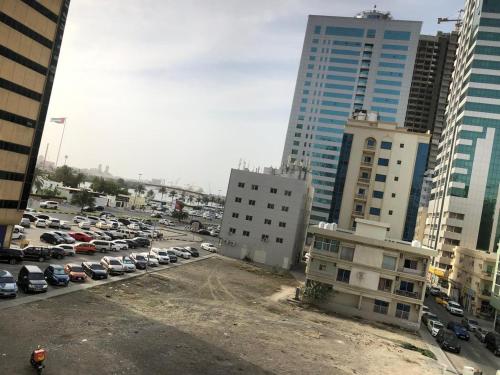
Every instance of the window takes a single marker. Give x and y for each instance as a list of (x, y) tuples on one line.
[(387, 83), (365, 175), (282, 224), (393, 195), (383, 162), (370, 33), (401, 145), (251, 202), (322, 267), (270, 205), (279, 240), (385, 285), (410, 263), (386, 145), (378, 194), (380, 177), (370, 143), (237, 200), (343, 275), (274, 190), (389, 262), (255, 187), (246, 233), (358, 208), (249, 217), (399, 162), (397, 35), (232, 230), (406, 286), (345, 31), (317, 29), (402, 311), (284, 208), (267, 221), (241, 184), (396, 178), (375, 211), (264, 237), (326, 244), (236, 215), (347, 253), (390, 212), (380, 307)]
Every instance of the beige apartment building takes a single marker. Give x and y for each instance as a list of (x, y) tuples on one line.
[(371, 275), (31, 34), (380, 174)]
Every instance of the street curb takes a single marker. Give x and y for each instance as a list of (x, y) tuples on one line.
[(78, 287), (448, 367)]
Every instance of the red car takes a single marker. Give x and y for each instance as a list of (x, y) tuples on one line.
[(84, 247), (75, 272), (79, 236)]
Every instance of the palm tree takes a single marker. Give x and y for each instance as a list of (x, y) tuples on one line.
[(183, 196), (150, 194), (190, 198), (172, 194), (139, 189), (162, 191), (37, 180)]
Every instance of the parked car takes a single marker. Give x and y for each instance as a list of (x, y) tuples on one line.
[(85, 247), (8, 286), (114, 234), (103, 225), (55, 275), (128, 264), (172, 256), (131, 243), (124, 221), (209, 247), (459, 330), (120, 244), (101, 245), (25, 222), (84, 225), (11, 256), (448, 341), (204, 231), (151, 259), (39, 253), (51, 238), (470, 324), (193, 251), (65, 236), (51, 205), (54, 223), (57, 252), (141, 241), (42, 216), (64, 224), (181, 252), (480, 333), (99, 208), (68, 249), (161, 255), (75, 272), (426, 316), (114, 224), (32, 218), (79, 219), (93, 219), (139, 260), (454, 308), (113, 265), (79, 236), (40, 223), (492, 341), (134, 226), (434, 326), (442, 299), (94, 270), (17, 232), (31, 279)]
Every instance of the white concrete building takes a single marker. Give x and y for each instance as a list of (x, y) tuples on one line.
[(347, 64), (370, 275), (266, 215)]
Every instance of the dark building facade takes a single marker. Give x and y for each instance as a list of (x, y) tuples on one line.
[(31, 35)]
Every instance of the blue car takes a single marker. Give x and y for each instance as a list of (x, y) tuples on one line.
[(55, 275), (459, 330)]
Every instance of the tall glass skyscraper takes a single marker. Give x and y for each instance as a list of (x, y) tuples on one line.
[(347, 64)]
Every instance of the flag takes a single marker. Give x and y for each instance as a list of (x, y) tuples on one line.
[(58, 120)]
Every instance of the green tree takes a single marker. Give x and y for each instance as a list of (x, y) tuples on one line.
[(162, 191), (180, 215), (140, 189), (83, 198), (150, 194), (205, 199), (68, 176), (38, 180), (172, 194)]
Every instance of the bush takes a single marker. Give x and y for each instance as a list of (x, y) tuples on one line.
[(316, 291)]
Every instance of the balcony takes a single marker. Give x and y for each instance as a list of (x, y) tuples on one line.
[(358, 213), (364, 180), (368, 164), (411, 271), (360, 197), (408, 294)]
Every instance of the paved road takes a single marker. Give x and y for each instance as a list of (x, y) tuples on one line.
[(473, 352)]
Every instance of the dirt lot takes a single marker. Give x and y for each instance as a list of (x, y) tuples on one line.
[(215, 316)]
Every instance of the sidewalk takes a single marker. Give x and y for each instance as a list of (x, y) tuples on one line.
[(432, 345)]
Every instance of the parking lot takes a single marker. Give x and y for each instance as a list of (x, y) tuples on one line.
[(473, 352)]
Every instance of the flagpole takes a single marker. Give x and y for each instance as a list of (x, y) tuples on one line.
[(60, 143)]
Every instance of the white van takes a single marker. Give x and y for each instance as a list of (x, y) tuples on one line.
[(51, 205)]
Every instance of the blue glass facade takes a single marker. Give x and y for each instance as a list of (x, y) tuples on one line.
[(338, 189)]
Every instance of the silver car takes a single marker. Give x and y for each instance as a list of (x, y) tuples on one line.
[(128, 264), (114, 266), (8, 286)]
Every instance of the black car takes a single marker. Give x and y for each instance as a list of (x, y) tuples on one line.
[(32, 218), (99, 208), (57, 252), (94, 270), (124, 221), (172, 256), (11, 256), (139, 260), (141, 241), (131, 243), (204, 231), (39, 253), (31, 279), (51, 238), (65, 236), (193, 251), (42, 216), (448, 341), (55, 275), (492, 341)]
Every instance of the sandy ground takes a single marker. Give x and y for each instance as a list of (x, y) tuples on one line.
[(216, 316)]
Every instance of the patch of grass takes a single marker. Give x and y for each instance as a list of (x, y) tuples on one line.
[(425, 352)]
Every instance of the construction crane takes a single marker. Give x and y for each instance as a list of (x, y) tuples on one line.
[(458, 21)]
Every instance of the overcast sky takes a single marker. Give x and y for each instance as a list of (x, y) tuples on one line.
[(182, 90)]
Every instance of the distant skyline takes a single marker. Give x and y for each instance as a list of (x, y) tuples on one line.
[(184, 90)]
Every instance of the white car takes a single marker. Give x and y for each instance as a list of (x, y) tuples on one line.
[(41, 223), (25, 222), (84, 225), (165, 222), (161, 255), (152, 260), (68, 249), (100, 235), (114, 266), (79, 219), (120, 244), (434, 326), (455, 308), (19, 228), (63, 224), (134, 226), (103, 225), (51, 205), (54, 223), (208, 247)]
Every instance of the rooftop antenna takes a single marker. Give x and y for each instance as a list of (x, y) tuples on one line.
[(239, 164)]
